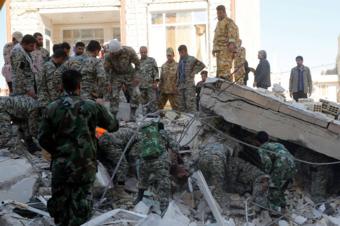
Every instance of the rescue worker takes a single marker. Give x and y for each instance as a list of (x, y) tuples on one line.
[(40, 55), (7, 68), (168, 81), (239, 64), (188, 67), (279, 164), (68, 133), (93, 72), (199, 85), (226, 33), (148, 74), (121, 65)]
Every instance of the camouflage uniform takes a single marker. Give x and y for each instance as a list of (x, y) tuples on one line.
[(7, 68), (71, 64), (5, 128), (47, 92), (39, 57), (239, 66), (281, 167), (110, 149), (93, 77), (231, 174), (226, 32), (186, 82), (120, 71), (148, 73), (167, 85), (156, 172), (68, 133)]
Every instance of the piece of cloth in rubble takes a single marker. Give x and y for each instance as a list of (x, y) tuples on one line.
[(279, 164), (67, 132), (230, 174)]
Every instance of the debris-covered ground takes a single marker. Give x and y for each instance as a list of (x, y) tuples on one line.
[(25, 189)]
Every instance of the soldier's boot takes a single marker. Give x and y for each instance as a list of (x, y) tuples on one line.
[(120, 193), (139, 196)]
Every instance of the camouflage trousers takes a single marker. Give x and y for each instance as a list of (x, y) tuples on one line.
[(187, 99), (172, 98), (239, 75), (224, 60), (5, 129), (24, 111), (233, 175), (155, 174), (148, 97), (109, 155), (131, 92)]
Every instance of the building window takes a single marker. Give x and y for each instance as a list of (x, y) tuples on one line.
[(171, 29), (116, 33), (83, 35)]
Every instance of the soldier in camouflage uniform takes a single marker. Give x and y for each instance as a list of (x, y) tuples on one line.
[(231, 174), (155, 172), (93, 73), (47, 92), (148, 74), (40, 55), (188, 67), (239, 65), (68, 133), (120, 71), (226, 34), (7, 68), (24, 86), (168, 81), (110, 150), (279, 163)]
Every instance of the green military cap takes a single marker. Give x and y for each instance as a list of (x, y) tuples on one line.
[(170, 51)]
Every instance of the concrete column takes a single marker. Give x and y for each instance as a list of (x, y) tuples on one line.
[(8, 21)]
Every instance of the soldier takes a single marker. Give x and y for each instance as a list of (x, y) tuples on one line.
[(68, 133), (231, 174), (121, 72), (110, 150), (148, 74), (40, 55), (239, 65), (199, 85), (7, 68), (24, 85), (168, 81), (279, 163), (93, 73), (47, 92), (79, 49), (226, 33), (66, 47), (188, 67)]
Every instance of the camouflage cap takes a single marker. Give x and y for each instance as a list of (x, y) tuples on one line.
[(170, 51)]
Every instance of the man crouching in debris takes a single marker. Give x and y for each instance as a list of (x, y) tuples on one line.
[(277, 161), (68, 133), (154, 170), (231, 174)]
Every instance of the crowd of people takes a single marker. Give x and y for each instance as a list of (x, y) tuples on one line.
[(64, 96)]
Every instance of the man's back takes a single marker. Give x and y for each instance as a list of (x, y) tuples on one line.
[(122, 63)]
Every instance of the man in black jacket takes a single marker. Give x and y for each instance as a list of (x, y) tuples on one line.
[(262, 73)]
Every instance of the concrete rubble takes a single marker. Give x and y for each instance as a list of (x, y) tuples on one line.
[(26, 178)]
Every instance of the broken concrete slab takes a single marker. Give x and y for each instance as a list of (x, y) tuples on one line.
[(174, 213), (334, 126)]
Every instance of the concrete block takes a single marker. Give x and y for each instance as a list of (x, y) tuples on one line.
[(334, 126)]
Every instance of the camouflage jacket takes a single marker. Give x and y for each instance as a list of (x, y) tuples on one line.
[(168, 78), (22, 71), (119, 67), (116, 140), (191, 67), (6, 70), (226, 32), (39, 57), (71, 64), (93, 77), (68, 132), (148, 72), (275, 155), (47, 92)]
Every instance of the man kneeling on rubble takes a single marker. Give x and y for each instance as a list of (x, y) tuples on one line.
[(68, 133), (154, 169), (276, 161), (231, 174)]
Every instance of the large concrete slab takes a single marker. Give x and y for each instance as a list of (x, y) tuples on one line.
[(294, 125)]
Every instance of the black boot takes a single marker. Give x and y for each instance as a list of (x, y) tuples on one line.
[(139, 197)]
